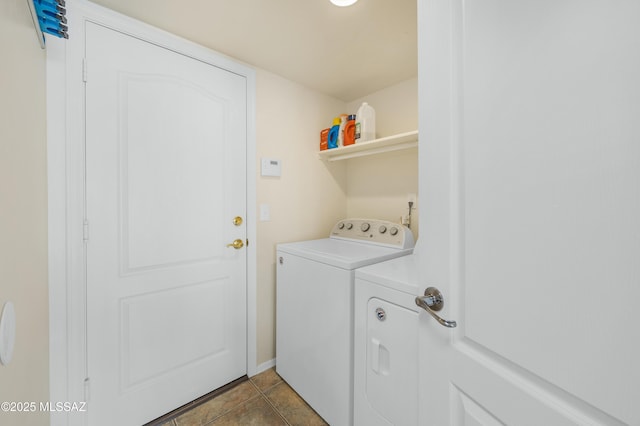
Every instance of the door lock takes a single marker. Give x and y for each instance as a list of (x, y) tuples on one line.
[(432, 301), (236, 244), (237, 221)]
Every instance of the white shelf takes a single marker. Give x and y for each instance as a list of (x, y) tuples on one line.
[(377, 146)]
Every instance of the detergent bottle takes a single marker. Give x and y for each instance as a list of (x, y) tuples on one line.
[(343, 123), (365, 123), (332, 140), (350, 130)]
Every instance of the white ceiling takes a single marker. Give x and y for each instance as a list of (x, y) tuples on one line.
[(345, 52)]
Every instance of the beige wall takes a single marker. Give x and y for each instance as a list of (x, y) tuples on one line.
[(378, 185), (23, 210), (309, 197), (396, 108), (312, 195)]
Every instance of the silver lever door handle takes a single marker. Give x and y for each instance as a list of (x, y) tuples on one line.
[(432, 301)]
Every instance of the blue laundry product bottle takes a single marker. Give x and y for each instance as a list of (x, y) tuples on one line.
[(332, 141)]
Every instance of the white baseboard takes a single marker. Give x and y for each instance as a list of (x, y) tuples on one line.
[(264, 366)]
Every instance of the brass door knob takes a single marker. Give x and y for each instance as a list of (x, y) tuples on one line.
[(236, 244)]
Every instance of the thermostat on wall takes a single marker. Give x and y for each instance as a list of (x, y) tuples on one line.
[(271, 167)]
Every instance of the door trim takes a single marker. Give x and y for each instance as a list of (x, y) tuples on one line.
[(66, 181)]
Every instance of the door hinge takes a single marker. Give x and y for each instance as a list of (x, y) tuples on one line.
[(85, 230), (84, 69), (86, 389)]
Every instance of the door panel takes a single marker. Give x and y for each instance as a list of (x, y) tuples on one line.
[(165, 170), (183, 223), (529, 170), (146, 330)]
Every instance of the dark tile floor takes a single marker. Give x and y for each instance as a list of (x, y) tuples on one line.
[(263, 400)]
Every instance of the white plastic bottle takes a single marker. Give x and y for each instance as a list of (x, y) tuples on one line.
[(365, 123)]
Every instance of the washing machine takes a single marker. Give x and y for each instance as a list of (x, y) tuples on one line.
[(314, 309), (386, 343)]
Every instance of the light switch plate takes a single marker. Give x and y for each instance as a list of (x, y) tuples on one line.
[(265, 213)]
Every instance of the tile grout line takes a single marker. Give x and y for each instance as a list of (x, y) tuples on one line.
[(271, 402), (173, 416), (283, 382), (246, 401)]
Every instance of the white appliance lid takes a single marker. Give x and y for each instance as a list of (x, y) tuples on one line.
[(343, 254), (402, 274)]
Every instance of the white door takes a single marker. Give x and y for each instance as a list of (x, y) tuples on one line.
[(530, 172), (166, 176)]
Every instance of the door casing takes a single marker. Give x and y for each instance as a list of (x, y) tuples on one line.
[(66, 185)]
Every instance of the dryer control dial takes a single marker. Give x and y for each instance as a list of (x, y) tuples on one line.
[(365, 227)]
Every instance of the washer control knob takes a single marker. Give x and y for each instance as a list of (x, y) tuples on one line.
[(341, 225), (365, 227), (393, 231), (349, 225), (382, 229)]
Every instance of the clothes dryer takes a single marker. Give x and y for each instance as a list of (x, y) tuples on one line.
[(386, 343)]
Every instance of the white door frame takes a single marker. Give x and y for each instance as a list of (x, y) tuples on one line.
[(66, 183)]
